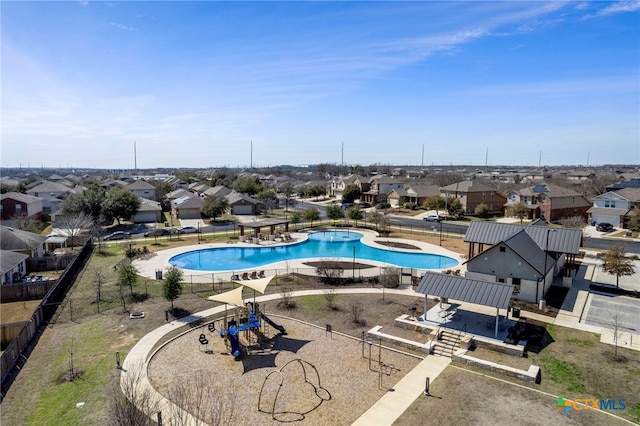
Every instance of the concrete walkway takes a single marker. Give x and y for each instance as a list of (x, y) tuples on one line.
[(394, 403)]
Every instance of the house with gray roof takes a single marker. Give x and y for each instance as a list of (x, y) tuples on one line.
[(549, 202), (472, 193), (242, 204), (186, 207), (379, 188), (17, 204), (17, 240), (614, 207), (13, 266), (142, 189), (412, 193), (51, 193), (218, 191), (338, 184), (150, 211)]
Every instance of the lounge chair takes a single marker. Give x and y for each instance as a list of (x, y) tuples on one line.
[(254, 275), (261, 274), (245, 276)]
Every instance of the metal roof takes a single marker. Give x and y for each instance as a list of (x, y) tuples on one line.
[(560, 240), (466, 290)]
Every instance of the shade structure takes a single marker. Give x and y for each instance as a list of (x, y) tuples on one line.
[(233, 297), (259, 285)]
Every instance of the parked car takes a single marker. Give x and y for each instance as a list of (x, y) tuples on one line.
[(118, 235), (433, 218), (159, 232), (604, 227), (187, 230)]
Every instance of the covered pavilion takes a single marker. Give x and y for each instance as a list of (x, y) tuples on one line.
[(492, 294)]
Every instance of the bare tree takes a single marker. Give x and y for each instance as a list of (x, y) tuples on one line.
[(573, 222), (329, 270), (131, 402), (615, 320), (356, 309), (73, 225), (286, 300), (100, 277), (201, 401), (330, 297), (390, 277)]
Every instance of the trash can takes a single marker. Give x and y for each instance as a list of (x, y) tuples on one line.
[(158, 274), (516, 312)]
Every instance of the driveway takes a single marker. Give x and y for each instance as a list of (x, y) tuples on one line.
[(603, 307)]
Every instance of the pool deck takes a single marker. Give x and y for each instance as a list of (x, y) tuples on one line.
[(148, 267)]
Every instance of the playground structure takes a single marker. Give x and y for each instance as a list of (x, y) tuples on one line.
[(249, 325), (282, 409)]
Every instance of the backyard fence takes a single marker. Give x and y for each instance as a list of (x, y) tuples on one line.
[(17, 352)]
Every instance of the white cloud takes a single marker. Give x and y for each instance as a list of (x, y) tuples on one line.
[(123, 27)]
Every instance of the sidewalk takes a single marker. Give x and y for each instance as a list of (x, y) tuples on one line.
[(391, 406)]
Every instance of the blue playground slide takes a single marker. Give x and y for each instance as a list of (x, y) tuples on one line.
[(278, 327), (232, 334)]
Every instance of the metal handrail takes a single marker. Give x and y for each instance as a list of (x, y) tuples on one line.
[(455, 344)]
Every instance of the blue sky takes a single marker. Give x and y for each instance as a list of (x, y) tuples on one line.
[(196, 83)]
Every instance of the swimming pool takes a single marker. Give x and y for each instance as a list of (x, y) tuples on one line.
[(320, 245)]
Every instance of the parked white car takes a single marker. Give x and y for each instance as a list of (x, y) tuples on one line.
[(433, 218), (187, 229)]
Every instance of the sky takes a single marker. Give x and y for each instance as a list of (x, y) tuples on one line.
[(240, 84)]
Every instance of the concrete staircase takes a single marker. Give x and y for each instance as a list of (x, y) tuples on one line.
[(447, 343)]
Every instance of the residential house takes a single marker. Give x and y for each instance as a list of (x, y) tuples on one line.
[(472, 193), (51, 193), (340, 183), (142, 189), (631, 183), (149, 212), (549, 202), (199, 188), (615, 207), (20, 241), (187, 207), (218, 191), (13, 266), (242, 204), (580, 175), (379, 187), (412, 193), (15, 204)]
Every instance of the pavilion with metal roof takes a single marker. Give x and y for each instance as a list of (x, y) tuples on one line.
[(463, 289)]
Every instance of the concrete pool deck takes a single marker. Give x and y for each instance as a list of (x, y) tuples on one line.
[(160, 260)]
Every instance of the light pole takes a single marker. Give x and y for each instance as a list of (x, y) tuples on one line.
[(354, 261), (440, 233)]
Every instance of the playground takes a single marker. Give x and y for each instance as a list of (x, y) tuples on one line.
[(331, 384)]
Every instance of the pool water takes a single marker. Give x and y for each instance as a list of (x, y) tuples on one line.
[(320, 245)]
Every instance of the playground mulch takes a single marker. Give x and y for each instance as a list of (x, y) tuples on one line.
[(345, 386)]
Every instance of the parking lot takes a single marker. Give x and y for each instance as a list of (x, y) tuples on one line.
[(604, 308)]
